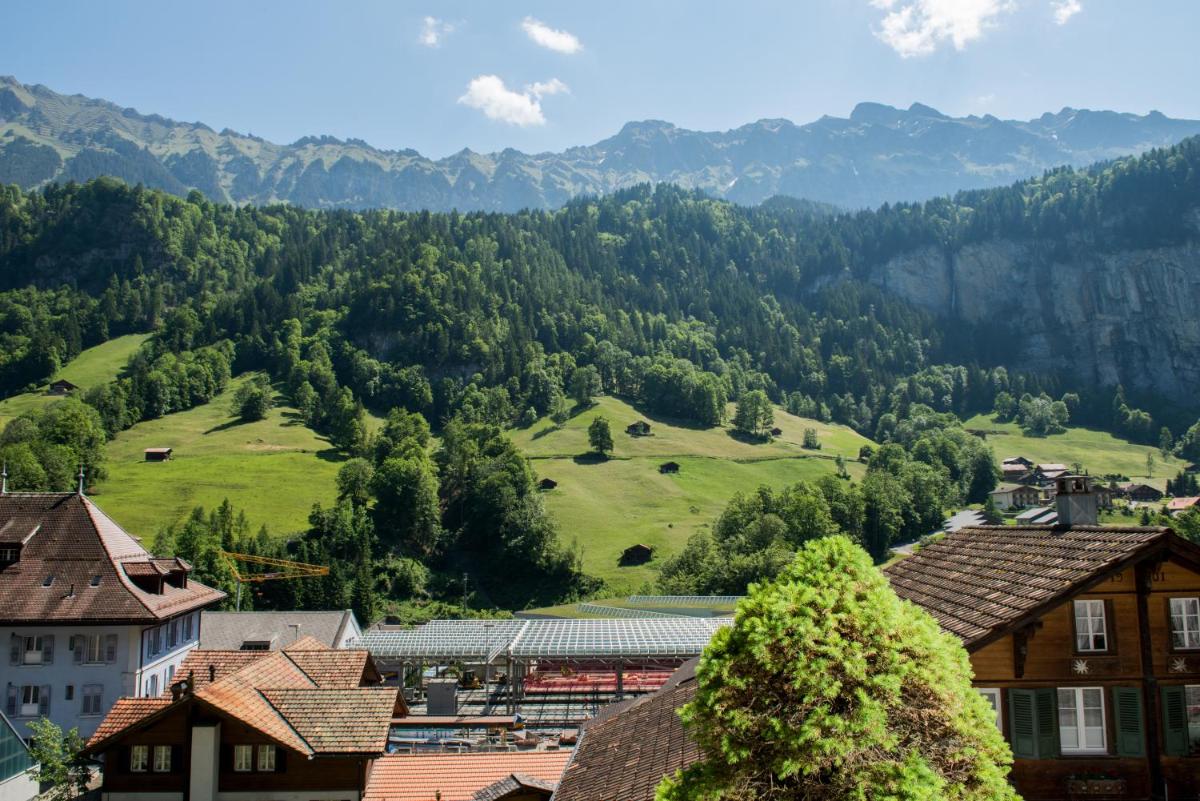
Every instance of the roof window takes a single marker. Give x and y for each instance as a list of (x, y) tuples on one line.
[(48, 580), (95, 580)]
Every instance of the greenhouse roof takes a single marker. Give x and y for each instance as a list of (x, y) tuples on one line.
[(489, 639)]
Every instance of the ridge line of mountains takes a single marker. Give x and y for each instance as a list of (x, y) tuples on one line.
[(879, 154)]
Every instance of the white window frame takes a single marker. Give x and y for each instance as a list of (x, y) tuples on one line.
[(1093, 614), (31, 699), (93, 649), (1185, 624), (1190, 692), (31, 656), (993, 696), (139, 758), (162, 759), (92, 702), (1080, 728), (266, 758), (243, 758)]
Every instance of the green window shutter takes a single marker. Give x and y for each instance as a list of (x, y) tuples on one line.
[(1047, 722), (1175, 722), (1130, 723), (1022, 724)]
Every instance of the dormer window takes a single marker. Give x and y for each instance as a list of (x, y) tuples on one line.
[(9, 554)]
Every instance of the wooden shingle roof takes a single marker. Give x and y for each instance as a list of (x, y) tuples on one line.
[(628, 748), (981, 581)]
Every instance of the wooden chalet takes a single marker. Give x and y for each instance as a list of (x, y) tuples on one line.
[(669, 467), (61, 387), (638, 554), (157, 454), (639, 429), (1142, 493), (305, 722), (1086, 641)]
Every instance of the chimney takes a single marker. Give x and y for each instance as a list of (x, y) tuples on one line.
[(1075, 501)]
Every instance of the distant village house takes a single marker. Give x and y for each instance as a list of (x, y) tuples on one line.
[(639, 429), (1015, 496), (61, 387), (636, 555), (669, 467), (156, 454)]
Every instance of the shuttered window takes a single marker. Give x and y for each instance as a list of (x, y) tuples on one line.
[(1129, 722), (1181, 719), (1081, 720), (1033, 723)]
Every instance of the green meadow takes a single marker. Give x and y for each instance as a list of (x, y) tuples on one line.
[(273, 469), (93, 366), (1100, 453), (604, 507)]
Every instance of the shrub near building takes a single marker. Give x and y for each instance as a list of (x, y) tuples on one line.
[(829, 687)]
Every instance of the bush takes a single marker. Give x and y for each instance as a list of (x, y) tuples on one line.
[(829, 687)]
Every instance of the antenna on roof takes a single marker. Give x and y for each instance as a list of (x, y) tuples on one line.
[(4, 479), (81, 480)]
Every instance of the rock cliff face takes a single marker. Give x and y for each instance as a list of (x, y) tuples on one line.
[(1131, 317)]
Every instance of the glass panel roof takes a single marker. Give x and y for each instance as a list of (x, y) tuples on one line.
[(479, 639)]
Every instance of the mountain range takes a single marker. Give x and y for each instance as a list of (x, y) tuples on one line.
[(879, 154)]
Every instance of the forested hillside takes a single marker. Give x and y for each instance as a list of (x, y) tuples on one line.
[(467, 324)]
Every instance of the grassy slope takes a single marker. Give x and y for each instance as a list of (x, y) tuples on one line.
[(606, 507), (274, 469), (1099, 453), (94, 366)]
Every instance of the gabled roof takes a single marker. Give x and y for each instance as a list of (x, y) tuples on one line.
[(627, 750), (271, 693), (457, 777), (980, 583), (514, 783), (226, 631), (88, 560), (1176, 504)]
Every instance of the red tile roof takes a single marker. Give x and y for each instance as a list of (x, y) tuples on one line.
[(1175, 504), (67, 537), (269, 692), (978, 582), (514, 783), (456, 777), (337, 721), (128, 712)]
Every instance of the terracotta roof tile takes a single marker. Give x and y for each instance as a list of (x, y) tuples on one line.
[(513, 783), (307, 643), (332, 669), (338, 721), (456, 777), (67, 537), (978, 580), (127, 712), (223, 663), (625, 752), (238, 696)]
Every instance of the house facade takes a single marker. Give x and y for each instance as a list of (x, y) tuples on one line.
[(302, 724), (1015, 496), (1086, 641), (86, 613)]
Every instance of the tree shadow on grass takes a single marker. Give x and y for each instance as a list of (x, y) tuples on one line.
[(550, 429), (747, 437), (294, 419), (332, 455), (228, 424), (589, 457)]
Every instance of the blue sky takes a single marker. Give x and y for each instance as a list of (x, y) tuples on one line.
[(440, 76)]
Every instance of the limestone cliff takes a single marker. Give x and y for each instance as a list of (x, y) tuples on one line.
[(1130, 316)]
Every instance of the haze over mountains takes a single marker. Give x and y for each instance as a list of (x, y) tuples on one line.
[(879, 154)]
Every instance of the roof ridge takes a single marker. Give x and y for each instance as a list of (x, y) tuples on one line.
[(286, 722)]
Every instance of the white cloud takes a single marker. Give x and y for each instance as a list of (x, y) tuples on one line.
[(489, 94), (919, 27), (1065, 9), (433, 31), (544, 35)]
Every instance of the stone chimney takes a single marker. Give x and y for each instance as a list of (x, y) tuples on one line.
[(1076, 503)]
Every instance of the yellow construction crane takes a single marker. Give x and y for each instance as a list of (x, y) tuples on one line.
[(285, 569)]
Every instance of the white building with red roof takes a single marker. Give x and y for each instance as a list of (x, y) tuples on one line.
[(87, 614)]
